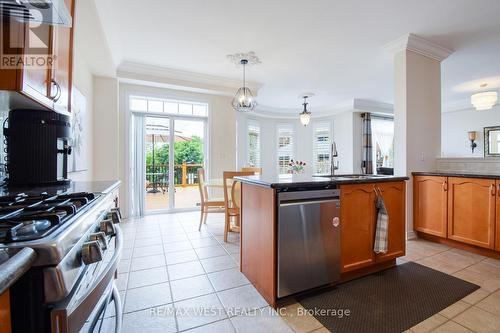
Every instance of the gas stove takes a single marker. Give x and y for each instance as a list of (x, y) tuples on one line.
[(78, 241), (26, 217)]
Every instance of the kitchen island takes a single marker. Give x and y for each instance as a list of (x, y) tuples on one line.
[(298, 228)]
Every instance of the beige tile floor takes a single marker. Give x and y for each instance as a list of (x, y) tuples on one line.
[(169, 272)]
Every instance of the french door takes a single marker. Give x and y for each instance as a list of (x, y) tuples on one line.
[(175, 147)]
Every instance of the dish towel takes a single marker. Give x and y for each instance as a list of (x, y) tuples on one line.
[(380, 244)]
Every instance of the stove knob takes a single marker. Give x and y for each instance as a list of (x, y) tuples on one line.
[(107, 227), (115, 215), (91, 252), (101, 238)]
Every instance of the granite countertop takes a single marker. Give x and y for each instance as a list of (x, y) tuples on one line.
[(13, 265), (309, 181), (73, 187), (456, 174)]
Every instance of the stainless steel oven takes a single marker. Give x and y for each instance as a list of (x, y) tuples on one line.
[(71, 286), (86, 307)]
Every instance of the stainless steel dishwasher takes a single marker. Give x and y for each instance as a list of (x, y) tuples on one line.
[(308, 240)]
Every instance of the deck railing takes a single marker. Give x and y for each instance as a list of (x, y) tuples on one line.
[(184, 174)]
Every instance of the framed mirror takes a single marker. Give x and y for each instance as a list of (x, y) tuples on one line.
[(492, 141)]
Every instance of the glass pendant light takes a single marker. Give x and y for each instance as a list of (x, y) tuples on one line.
[(244, 101), (305, 116)]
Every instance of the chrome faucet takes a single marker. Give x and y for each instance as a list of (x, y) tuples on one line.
[(333, 153)]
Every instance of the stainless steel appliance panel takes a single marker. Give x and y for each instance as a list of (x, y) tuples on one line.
[(308, 240)]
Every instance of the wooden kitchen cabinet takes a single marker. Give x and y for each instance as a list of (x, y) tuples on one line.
[(357, 221), (497, 228), (5, 324), (394, 195), (430, 205), (49, 87), (471, 211)]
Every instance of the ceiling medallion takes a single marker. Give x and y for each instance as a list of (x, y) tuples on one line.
[(244, 101)]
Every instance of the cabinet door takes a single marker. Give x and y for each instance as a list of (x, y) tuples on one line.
[(497, 228), (394, 195), (62, 48), (430, 205), (36, 78), (5, 325), (471, 211), (357, 217)]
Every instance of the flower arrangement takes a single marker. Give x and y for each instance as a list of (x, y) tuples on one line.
[(296, 167)]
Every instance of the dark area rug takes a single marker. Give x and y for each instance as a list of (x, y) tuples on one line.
[(389, 301)]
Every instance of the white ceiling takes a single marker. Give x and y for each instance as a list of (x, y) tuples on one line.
[(330, 47)]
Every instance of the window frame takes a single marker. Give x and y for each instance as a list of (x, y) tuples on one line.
[(316, 151), (280, 151), (249, 125)]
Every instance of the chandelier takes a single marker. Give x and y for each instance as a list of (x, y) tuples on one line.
[(244, 101)]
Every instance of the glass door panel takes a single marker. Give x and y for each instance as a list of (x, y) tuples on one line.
[(189, 156), (157, 151)]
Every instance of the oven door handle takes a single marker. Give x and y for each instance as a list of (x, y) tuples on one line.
[(118, 309), (71, 318)]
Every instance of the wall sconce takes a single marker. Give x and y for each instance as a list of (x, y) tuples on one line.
[(472, 138)]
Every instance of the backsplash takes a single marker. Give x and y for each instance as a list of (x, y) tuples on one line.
[(489, 165)]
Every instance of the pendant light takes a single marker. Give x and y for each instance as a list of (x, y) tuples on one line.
[(244, 101), (305, 116)]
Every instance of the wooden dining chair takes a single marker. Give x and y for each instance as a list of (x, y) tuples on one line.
[(255, 170), (232, 199), (206, 201)]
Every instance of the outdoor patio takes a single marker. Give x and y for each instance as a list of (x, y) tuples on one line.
[(185, 197)]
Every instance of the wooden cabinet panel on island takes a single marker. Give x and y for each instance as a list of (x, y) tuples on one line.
[(357, 220), (471, 211), (394, 195), (430, 200)]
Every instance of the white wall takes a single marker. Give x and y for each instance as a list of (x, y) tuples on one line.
[(455, 125), (90, 56)]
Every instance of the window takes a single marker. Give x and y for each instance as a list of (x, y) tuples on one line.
[(382, 142), (322, 141), (285, 147), (158, 105), (253, 144)]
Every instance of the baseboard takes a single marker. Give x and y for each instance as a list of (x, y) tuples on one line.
[(410, 234)]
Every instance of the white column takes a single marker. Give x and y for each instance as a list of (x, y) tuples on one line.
[(417, 109)]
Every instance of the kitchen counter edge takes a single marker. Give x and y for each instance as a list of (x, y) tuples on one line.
[(455, 174), (254, 180)]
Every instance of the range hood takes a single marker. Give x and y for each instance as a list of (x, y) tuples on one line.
[(53, 12)]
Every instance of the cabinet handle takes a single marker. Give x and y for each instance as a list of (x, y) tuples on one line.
[(56, 97), (498, 190), (445, 186), (492, 187)]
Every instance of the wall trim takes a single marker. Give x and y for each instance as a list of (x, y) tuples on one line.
[(414, 43)]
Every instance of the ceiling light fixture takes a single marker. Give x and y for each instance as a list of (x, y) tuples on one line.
[(244, 101), (484, 100), (305, 116)]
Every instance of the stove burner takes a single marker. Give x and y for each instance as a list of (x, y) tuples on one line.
[(32, 228), (28, 217)]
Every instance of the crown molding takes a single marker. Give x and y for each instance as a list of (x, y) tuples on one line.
[(366, 105), (137, 73), (418, 45)]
